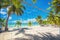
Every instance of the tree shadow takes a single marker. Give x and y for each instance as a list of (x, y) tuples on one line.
[(13, 30), (21, 39), (49, 36), (22, 30), (44, 36), (1, 31), (19, 29)]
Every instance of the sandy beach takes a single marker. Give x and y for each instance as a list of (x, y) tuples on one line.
[(31, 33)]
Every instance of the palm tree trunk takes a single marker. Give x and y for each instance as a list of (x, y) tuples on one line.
[(6, 27)]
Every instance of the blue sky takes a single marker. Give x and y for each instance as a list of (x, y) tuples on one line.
[(30, 13)]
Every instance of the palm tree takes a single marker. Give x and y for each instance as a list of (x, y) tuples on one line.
[(57, 19), (45, 22), (39, 20), (51, 18), (30, 23), (14, 6), (55, 6), (54, 19), (18, 23), (2, 23)]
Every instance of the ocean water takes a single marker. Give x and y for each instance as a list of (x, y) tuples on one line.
[(22, 25)]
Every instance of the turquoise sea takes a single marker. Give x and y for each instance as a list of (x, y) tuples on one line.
[(22, 25)]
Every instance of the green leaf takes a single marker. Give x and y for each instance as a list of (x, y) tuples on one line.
[(34, 1), (49, 8)]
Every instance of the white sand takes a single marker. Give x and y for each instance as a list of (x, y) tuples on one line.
[(31, 30)]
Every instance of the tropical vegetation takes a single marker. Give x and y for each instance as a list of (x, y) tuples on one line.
[(39, 20), (30, 23), (18, 24), (14, 6), (54, 15), (2, 22)]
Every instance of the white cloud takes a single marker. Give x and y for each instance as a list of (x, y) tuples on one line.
[(32, 20), (3, 13), (25, 21), (2, 9), (10, 18), (13, 21)]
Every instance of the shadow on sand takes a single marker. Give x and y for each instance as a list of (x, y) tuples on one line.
[(22, 30), (39, 36), (19, 29), (44, 36)]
